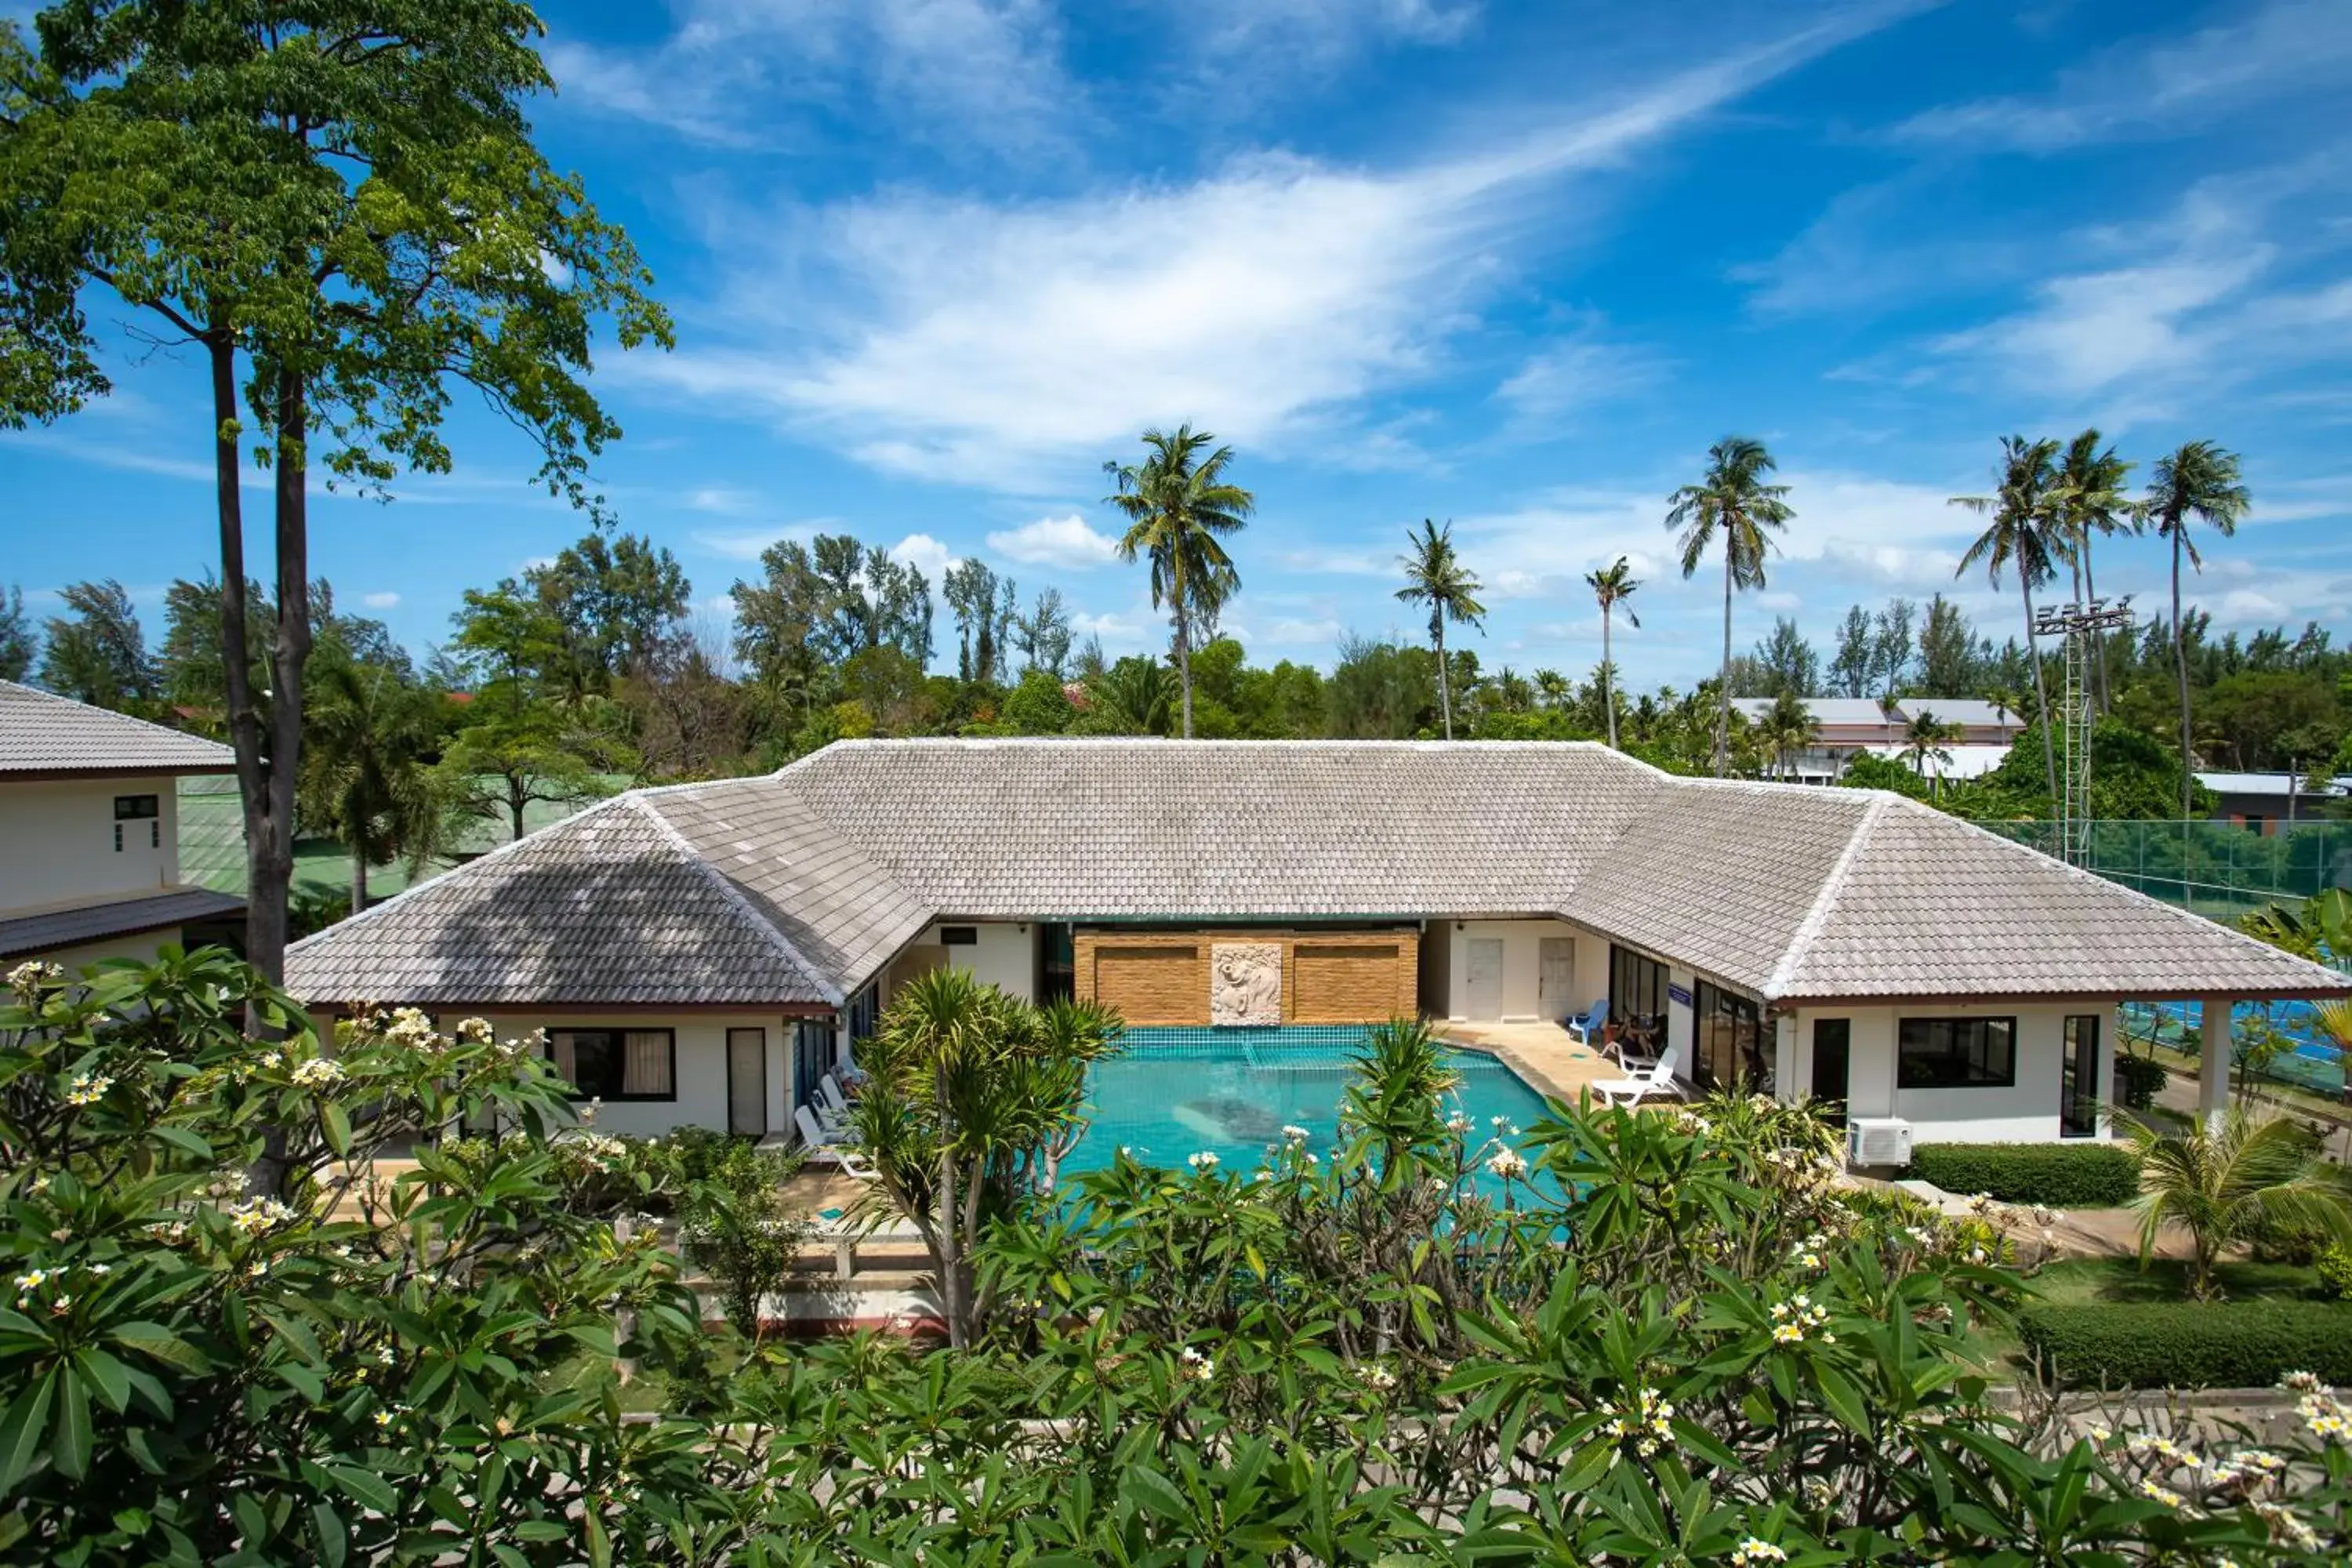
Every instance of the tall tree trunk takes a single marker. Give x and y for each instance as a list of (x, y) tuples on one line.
[(1445, 687), (1723, 680), (516, 800), (2041, 687), (1608, 678), (2181, 669), (273, 864), (951, 1237), (2090, 593), (359, 873), (236, 669), (1183, 640)]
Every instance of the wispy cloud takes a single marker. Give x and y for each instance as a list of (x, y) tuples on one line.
[(383, 601), (2162, 87), (1576, 371), (747, 543), (995, 342), (738, 73), (1067, 542)]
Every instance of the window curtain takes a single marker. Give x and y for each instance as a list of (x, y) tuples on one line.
[(647, 1071), (559, 1046)]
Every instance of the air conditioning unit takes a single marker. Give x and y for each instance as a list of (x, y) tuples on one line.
[(1878, 1140)]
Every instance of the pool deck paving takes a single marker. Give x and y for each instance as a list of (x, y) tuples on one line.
[(1543, 1053)]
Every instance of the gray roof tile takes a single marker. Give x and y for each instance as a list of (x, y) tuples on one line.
[(41, 732), (53, 929), (799, 887)]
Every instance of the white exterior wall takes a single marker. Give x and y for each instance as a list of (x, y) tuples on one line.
[(57, 842), (142, 945), (701, 1082), (2025, 1111), (1447, 979), (1005, 956)]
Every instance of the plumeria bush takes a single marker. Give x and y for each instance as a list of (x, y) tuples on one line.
[(1612, 1337)]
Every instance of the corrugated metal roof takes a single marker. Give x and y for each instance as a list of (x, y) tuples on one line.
[(41, 732)]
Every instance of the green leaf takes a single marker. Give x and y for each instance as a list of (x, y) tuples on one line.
[(365, 1488), (336, 1126), (108, 1375), (334, 1540), (156, 1341), (21, 1430), (1843, 1399), (69, 1450), (187, 1140), (1146, 1488)]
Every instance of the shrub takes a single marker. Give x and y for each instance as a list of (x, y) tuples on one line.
[(2060, 1175), (2189, 1344), (2335, 1271), (2141, 1079)]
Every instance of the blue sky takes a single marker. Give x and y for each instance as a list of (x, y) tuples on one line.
[(1514, 265)]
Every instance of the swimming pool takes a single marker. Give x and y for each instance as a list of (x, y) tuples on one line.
[(1172, 1093)]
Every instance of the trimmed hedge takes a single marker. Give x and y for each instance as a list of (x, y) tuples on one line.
[(2060, 1175), (2189, 1344)]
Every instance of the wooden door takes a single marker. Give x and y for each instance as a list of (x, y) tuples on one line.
[(1556, 978)]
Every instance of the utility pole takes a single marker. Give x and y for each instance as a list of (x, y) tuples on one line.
[(2083, 629)]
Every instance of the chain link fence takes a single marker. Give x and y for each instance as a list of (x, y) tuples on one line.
[(2217, 868)]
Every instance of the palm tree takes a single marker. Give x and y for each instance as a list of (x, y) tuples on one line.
[(1435, 575), (1734, 500), (1179, 507), (2091, 503), (1786, 729), (2199, 480), (1612, 586), (364, 774), (1926, 737), (1552, 686), (2025, 530), (2229, 1183)]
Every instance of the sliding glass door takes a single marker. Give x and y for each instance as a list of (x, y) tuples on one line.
[(1728, 1042)]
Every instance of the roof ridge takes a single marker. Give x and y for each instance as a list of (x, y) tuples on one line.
[(359, 917), (734, 895), (1825, 898)]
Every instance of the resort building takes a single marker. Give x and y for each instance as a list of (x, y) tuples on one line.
[(702, 953), (1845, 727), (2266, 802), (89, 849)]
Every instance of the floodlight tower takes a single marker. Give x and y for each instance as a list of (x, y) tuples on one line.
[(2083, 629)]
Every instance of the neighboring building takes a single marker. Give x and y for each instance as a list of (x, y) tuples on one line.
[(701, 953), (2266, 802), (1845, 727), (90, 858)]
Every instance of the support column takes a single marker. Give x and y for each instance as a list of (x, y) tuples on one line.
[(1784, 1059), (2214, 1061)]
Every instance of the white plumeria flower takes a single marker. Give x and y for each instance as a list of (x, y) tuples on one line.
[(317, 1072), (1203, 1161), (88, 1089), (1755, 1549), (1294, 1133), (1507, 1163)]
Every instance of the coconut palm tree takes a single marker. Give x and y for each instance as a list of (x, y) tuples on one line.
[(1926, 738), (2227, 1183), (2025, 532), (1180, 510), (1612, 586), (1435, 575), (365, 773), (1786, 729), (2199, 480), (2092, 505), (1734, 500)]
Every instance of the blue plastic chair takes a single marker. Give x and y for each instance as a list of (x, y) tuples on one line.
[(1586, 1024)]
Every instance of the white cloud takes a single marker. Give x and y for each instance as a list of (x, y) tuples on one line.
[(924, 553), (1066, 541), (2164, 87), (1575, 373), (735, 72), (385, 601), (748, 543), (2243, 605), (723, 501), (1117, 631), (997, 343)]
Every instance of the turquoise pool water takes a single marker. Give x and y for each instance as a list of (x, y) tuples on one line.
[(1172, 1093)]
